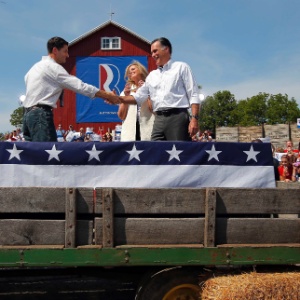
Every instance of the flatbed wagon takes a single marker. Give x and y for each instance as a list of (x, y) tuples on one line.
[(172, 235)]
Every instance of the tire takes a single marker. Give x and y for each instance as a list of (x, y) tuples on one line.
[(170, 284)]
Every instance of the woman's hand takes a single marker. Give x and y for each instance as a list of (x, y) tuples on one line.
[(140, 83), (127, 89)]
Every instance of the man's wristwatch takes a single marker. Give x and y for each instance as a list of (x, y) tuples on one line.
[(195, 117)]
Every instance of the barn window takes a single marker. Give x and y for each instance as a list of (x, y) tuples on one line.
[(110, 43)]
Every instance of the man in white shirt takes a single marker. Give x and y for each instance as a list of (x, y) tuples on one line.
[(172, 89), (45, 82)]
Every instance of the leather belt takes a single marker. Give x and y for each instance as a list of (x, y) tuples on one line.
[(171, 111), (45, 107)]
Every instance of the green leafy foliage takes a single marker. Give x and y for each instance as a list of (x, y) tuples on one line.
[(16, 118), (222, 109), (218, 110)]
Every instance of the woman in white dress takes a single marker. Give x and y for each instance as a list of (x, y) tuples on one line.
[(137, 121)]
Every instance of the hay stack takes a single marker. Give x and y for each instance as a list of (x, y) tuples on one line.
[(253, 286)]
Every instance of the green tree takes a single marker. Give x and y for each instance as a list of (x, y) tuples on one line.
[(16, 118), (252, 111), (281, 110), (218, 110)]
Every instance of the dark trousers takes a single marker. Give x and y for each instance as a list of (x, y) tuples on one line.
[(171, 127), (38, 125), (138, 131)]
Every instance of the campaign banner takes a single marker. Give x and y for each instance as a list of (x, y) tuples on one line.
[(107, 73), (136, 164)]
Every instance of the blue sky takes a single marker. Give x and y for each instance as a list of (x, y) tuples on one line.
[(242, 46)]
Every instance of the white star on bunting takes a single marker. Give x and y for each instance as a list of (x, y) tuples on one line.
[(134, 153), (94, 153), (251, 154), (174, 153), (53, 153), (213, 153), (14, 152)]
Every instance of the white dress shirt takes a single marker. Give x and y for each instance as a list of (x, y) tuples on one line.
[(172, 86), (46, 80)]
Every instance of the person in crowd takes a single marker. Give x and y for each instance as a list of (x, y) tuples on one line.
[(60, 132), (14, 136), (45, 82), (107, 137), (88, 138), (100, 131), (79, 137), (289, 149), (172, 89), (296, 170), (69, 133), (285, 169), (137, 120), (205, 137), (8, 137), (19, 134), (89, 134)]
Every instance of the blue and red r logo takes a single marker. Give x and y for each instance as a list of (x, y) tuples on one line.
[(109, 78)]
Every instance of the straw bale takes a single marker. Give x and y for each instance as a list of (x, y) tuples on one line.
[(253, 286)]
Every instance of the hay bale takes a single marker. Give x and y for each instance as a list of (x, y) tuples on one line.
[(253, 286)]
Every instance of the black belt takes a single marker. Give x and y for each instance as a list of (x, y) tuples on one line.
[(45, 107), (171, 111)]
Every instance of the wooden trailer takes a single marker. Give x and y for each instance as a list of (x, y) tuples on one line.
[(174, 235)]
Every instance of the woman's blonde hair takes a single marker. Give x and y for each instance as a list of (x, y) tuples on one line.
[(141, 68)]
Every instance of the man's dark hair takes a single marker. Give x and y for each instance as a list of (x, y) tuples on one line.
[(56, 42), (164, 42)]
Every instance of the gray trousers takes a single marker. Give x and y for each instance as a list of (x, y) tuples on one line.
[(172, 127)]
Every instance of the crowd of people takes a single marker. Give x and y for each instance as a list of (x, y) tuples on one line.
[(14, 136), (289, 163), (84, 135)]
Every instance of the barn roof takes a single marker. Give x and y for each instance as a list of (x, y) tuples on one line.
[(85, 35)]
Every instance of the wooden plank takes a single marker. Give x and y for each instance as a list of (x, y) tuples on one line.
[(210, 218), (90, 247), (42, 232), (190, 246), (287, 185), (84, 232), (259, 245), (32, 200), (32, 232), (158, 231), (70, 224), (108, 218), (42, 200), (257, 201), (85, 200), (257, 231), (158, 201), (22, 247)]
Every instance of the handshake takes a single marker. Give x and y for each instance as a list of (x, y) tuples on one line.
[(109, 97)]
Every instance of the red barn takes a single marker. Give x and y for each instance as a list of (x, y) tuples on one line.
[(110, 40)]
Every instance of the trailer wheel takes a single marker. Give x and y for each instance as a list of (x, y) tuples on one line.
[(170, 284)]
